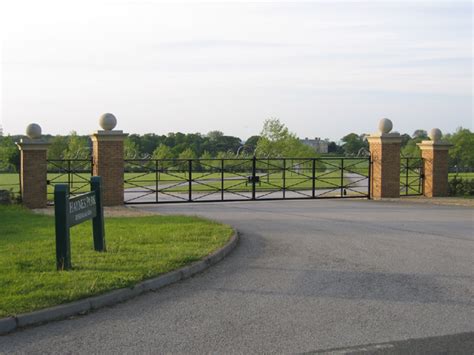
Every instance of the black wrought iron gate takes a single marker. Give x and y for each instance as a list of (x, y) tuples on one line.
[(411, 176), (74, 172), (212, 180)]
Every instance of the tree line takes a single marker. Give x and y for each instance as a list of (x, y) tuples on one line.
[(274, 140)]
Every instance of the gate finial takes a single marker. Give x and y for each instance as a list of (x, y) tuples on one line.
[(33, 131), (435, 135), (107, 121), (385, 125)]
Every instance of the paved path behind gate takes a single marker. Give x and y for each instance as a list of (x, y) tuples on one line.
[(307, 275)]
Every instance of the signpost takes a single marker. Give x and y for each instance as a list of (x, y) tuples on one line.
[(70, 211)]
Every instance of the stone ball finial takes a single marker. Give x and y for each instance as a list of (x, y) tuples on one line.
[(33, 131), (435, 134), (385, 125), (107, 121)]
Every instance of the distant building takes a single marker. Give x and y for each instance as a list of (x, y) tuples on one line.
[(318, 144)]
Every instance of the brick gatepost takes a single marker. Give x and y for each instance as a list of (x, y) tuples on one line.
[(108, 159), (435, 165), (385, 157), (33, 183)]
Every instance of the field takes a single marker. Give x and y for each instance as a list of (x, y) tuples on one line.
[(462, 175), (10, 181), (157, 245)]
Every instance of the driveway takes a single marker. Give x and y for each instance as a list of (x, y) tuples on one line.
[(306, 276)]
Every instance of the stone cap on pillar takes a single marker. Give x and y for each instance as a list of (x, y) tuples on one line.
[(384, 135), (435, 142), (109, 135), (107, 121), (34, 140)]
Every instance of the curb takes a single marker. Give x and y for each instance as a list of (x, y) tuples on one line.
[(10, 324)]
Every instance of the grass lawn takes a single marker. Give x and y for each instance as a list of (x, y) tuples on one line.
[(137, 248), (10, 181), (462, 175)]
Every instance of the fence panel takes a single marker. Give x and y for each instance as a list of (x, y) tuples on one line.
[(411, 176), (242, 179), (74, 172)]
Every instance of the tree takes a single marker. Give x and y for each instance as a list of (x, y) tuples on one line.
[(462, 152), (149, 142), (405, 139), (411, 150), (187, 154), (206, 155), (77, 147), (9, 154), (334, 148), (251, 144), (163, 152), (59, 145), (353, 143), (420, 133), (277, 141), (130, 149), (214, 135)]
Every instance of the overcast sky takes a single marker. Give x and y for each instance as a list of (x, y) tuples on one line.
[(323, 68)]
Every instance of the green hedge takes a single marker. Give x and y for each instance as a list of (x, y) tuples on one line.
[(459, 186)]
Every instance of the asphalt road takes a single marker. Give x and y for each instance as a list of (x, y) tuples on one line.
[(307, 276)]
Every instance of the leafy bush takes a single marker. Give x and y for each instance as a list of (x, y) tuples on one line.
[(6, 197), (461, 187)]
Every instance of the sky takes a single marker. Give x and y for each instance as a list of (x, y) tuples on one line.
[(324, 68)]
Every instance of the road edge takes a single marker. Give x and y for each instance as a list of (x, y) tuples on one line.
[(86, 305)]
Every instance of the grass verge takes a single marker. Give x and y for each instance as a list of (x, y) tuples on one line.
[(137, 248)]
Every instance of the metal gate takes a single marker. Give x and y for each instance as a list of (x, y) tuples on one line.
[(411, 176), (74, 172), (212, 180)]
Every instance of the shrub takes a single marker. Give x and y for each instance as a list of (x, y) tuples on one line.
[(6, 197), (461, 187)]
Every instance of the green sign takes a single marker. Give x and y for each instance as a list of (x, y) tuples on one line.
[(70, 211), (82, 208)]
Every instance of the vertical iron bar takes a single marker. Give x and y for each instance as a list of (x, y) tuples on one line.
[(284, 177), (222, 179), (190, 174), (342, 177), (421, 176), (157, 178), (406, 174), (254, 174), (314, 178)]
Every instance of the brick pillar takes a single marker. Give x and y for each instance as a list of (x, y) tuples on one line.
[(108, 160), (435, 165), (385, 156), (33, 184)]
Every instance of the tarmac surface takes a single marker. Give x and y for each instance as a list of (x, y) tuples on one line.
[(337, 276)]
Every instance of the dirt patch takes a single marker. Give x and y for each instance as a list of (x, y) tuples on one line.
[(445, 201), (116, 211)]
